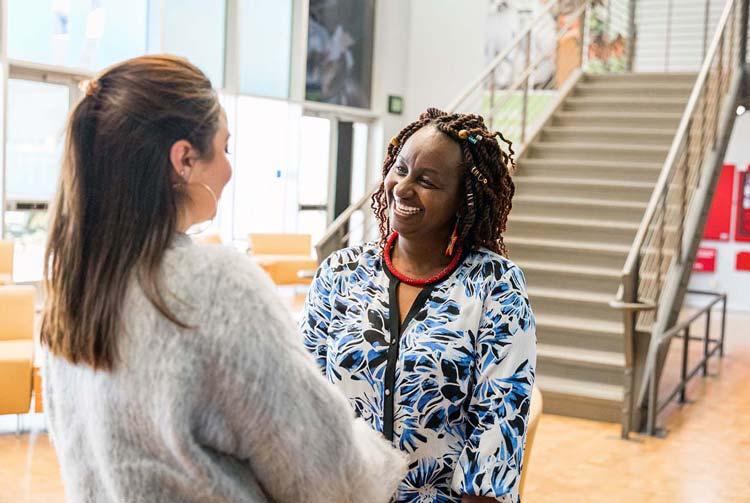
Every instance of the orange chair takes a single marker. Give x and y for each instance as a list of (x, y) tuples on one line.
[(16, 348), (6, 262), (285, 257)]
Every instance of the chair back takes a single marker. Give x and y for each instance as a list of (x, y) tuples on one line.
[(281, 244), (17, 312), (6, 261)]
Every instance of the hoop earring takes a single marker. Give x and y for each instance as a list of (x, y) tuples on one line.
[(209, 223)]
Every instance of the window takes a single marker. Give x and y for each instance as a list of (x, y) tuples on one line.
[(265, 47), (90, 34), (195, 29), (264, 176), (37, 112), (313, 177)]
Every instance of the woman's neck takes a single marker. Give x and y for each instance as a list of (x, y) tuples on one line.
[(420, 258), (184, 219)]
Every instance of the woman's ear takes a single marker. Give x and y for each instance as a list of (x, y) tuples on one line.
[(181, 156)]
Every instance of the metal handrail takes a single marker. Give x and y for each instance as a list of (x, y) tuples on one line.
[(656, 406), (659, 242), (500, 58), (526, 74), (338, 226), (671, 162)]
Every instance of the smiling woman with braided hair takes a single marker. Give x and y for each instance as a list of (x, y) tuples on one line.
[(429, 332)]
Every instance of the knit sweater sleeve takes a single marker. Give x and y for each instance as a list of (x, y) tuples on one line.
[(269, 407)]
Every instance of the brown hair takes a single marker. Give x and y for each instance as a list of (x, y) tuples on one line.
[(488, 186), (116, 209)]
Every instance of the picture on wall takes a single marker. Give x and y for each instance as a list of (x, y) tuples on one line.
[(339, 52)]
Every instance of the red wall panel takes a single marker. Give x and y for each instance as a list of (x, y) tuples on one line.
[(719, 223)]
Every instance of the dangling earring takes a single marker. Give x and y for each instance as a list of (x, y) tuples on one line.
[(453, 241), (196, 229)]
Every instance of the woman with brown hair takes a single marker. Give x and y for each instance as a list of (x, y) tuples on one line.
[(172, 372), (429, 332)]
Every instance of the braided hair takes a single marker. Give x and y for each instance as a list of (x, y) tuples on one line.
[(488, 186)]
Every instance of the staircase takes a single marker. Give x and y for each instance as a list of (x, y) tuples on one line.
[(582, 187), (611, 198)]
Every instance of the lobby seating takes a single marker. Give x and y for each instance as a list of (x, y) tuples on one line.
[(16, 348), (6, 262), (285, 257)]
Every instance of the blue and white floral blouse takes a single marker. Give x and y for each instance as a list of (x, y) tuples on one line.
[(450, 386)]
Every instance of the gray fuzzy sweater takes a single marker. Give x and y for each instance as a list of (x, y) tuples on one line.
[(231, 411)]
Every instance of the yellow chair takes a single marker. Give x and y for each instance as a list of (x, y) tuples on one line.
[(534, 415), (285, 257), (6, 262), (16, 348)]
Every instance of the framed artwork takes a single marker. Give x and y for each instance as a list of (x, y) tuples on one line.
[(340, 37)]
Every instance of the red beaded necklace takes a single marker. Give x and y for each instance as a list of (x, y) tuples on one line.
[(387, 252)]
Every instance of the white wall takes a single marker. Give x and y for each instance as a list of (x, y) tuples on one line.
[(425, 51), (726, 279), (446, 51)]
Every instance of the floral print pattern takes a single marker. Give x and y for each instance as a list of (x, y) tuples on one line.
[(464, 372)]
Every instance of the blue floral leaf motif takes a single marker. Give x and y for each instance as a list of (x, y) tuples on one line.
[(428, 481)]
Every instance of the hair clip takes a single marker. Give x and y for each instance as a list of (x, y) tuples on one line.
[(395, 141), (478, 175), (475, 138), (89, 87), (470, 199)]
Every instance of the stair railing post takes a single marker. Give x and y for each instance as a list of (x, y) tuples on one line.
[(717, 95), (683, 367), (705, 342), (686, 172), (743, 32), (653, 393), (630, 295), (525, 104), (631, 35)]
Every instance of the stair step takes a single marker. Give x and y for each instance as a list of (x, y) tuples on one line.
[(598, 151), (576, 398), (599, 280), (606, 367), (584, 333), (575, 168), (566, 251), (614, 119), (610, 232), (642, 77), (592, 357), (625, 104), (639, 89), (575, 207), (582, 188), (579, 303), (611, 135)]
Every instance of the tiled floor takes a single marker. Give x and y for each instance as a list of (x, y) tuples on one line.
[(705, 457)]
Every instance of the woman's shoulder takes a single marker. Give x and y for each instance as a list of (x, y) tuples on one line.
[(350, 259), (211, 269), (488, 264)]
